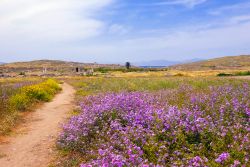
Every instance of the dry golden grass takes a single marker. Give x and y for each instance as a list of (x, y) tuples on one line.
[(18, 80), (176, 73), (223, 63)]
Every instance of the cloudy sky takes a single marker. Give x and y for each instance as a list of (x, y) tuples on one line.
[(123, 30)]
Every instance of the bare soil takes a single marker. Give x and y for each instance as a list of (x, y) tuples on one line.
[(33, 145)]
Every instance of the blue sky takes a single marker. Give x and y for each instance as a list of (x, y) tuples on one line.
[(123, 30)]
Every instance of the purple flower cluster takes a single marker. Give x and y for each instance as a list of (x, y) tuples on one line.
[(222, 157), (197, 162), (147, 129), (9, 89)]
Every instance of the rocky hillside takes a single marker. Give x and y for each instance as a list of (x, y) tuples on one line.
[(50, 66)]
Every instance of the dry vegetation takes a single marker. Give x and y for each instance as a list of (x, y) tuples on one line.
[(224, 63), (213, 67), (52, 67)]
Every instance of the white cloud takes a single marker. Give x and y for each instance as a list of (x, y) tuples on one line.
[(230, 39), (118, 29), (228, 9), (51, 20), (181, 44), (37, 29), (187, 3), (240, 19)]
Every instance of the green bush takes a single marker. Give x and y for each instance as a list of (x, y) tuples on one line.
[(224, 74), (179, 75), (244, 73)]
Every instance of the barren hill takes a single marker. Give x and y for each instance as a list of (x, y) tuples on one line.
[(54, 63), (50, 65), (224, 63)]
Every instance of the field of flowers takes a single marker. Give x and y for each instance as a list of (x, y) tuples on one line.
[(17, 95), (159, 122)]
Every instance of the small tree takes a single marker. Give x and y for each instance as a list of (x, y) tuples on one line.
[(128, 65), (22, 73)]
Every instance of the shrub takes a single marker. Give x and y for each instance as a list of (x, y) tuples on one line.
[(179, 75), (36, 92), (19, 94), (41, 92), (31, 93), (244, 73), (19, 102), (224, 74), (22, 73)]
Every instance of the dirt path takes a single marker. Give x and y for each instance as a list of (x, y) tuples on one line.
[(33, 147)]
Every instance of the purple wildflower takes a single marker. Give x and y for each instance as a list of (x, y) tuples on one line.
[(222, 157)]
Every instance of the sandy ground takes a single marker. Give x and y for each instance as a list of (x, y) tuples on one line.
[(34, 145)]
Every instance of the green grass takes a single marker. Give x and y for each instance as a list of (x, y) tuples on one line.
[(241, 73), (88, 86)]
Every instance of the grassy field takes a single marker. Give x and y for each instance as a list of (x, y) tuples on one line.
[(94, 85), (165, 121), (19, 95), (174, 73)]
